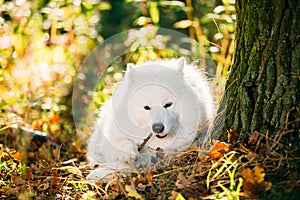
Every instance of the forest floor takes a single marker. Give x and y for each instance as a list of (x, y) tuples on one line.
[(36, 166)]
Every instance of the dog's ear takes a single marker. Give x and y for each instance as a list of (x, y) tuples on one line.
[(180, 65), (129, 67), (129, 70)]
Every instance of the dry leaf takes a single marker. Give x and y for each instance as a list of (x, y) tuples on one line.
[(114, 188), (218, 150), (259, 174), (132, 192), (254, 183), (55, 179), (16, 155), (253, 138), (10, 191), (181, 181), (18, 180), (149, 178), (28, 173)]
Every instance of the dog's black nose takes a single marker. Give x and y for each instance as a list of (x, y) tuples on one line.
[(158, 127)]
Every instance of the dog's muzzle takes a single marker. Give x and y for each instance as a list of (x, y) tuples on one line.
[(158, 129)]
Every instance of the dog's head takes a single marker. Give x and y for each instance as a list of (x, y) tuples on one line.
[(155, 97), (156, 108), (154, 102)]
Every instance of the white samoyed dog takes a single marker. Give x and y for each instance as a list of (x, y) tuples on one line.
[(158, 104)]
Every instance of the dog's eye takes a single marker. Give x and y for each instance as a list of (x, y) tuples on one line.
[(167, 105), (147, 108)]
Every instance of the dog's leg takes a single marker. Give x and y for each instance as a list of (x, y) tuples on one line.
[(101, 174)]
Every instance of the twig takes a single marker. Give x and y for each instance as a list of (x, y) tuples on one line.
[(144, 142)]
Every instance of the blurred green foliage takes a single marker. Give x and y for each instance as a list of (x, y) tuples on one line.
[(43, 43), (210, 23)]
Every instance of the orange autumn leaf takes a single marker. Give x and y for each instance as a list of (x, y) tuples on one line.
[(53, 118), (218, 150), (247, 175), (16, 155), (259, 174), (221, 146), (255, 176), (149, 178), (254, 182)]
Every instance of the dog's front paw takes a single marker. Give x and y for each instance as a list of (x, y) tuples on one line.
[(129, 151), (101, 174)]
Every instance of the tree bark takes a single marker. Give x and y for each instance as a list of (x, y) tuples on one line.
[(263, 86)]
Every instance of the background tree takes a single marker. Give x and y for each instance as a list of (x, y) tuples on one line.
[(263, 86)]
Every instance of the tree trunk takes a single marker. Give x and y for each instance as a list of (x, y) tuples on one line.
[(263, 86)]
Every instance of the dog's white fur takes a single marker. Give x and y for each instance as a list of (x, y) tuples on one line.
[(170, 93)]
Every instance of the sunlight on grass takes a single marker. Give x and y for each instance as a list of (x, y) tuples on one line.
[(222, 166)]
